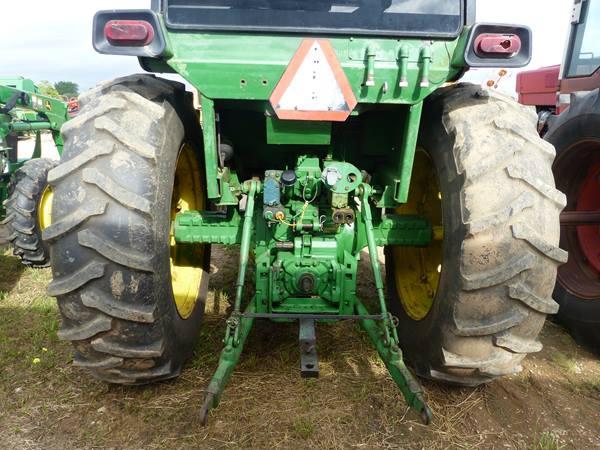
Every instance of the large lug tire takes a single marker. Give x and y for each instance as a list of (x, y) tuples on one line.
[(576, 137), (26, 212), (110, 236), (500, 249)]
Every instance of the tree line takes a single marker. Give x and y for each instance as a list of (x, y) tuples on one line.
[(62, 90)]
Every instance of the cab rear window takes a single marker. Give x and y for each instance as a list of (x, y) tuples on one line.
[(443, 18)]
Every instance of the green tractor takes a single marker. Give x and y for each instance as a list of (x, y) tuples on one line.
[(25, 197), (326, 128)]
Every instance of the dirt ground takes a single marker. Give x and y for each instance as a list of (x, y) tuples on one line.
[(47, 403)]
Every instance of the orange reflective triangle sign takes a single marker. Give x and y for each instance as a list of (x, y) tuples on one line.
[(314, 86)]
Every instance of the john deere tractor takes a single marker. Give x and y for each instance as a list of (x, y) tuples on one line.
[(326, 128), (25, 198)]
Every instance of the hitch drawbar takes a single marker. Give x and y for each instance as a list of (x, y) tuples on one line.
[(309, 361), (381, 328)]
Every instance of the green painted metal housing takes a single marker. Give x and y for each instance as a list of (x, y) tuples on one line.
[(236, 74), (247, 66)]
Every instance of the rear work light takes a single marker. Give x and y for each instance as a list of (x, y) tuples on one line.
[(499, 45), (129, 33)]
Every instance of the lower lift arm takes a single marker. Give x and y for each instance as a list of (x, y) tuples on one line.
[(383, 333)]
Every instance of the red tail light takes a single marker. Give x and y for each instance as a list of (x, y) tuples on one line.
[(490, 45), (129, 33)]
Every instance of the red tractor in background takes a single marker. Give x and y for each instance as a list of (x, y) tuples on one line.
[(73, 106), (540, 88), (567, 98)]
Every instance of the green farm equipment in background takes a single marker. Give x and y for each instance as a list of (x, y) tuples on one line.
[(326, 128), (25, 198)]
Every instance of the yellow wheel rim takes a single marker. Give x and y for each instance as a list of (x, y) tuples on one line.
[(45, 208), (417, 271), (186, 260)]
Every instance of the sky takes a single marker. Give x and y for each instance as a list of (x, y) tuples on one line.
[(54, 42)]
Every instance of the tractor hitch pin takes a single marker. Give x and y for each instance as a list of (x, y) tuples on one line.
[(388, 346)]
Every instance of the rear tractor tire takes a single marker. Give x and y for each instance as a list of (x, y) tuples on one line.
[(131, 300), (576, 137), (28, 210), (471, 305)]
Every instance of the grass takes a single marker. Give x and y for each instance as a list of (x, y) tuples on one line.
[(28, 339), (566, 362), (303, 427), (45, 402), (594, 384), (549, 440)]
